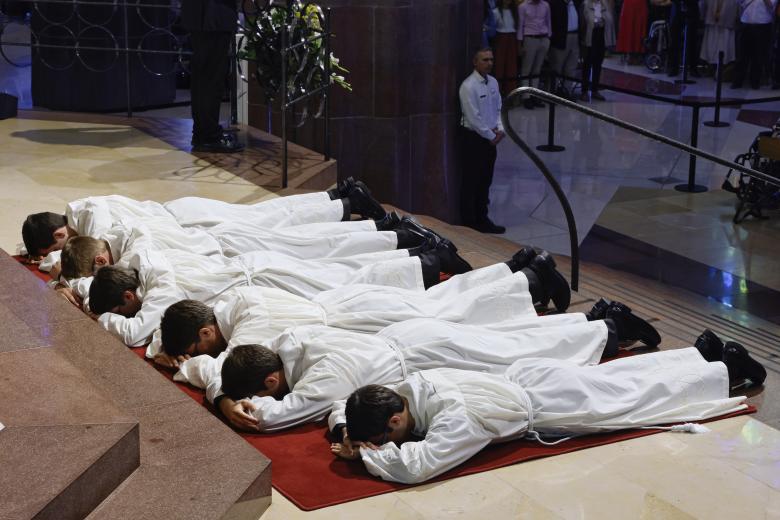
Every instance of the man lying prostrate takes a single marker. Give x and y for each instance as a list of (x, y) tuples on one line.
[(205, 278), (44, 233), (349, 197), (438, 419), (484, 296), (82, 255), (92, 216), (304, 370)]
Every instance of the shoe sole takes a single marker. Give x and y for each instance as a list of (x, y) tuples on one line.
[(752, 372)]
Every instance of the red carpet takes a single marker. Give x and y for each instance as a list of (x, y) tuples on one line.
[(307, 473), (33, 268)]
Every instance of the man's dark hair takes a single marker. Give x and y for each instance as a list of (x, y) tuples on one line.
[(245, 369), (480, 51), (108, 287), (368, 410), (180, 325), (38, 230)]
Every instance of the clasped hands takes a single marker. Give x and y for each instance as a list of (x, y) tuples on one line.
[(346, 449)]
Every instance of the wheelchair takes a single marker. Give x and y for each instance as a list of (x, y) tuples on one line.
[(657, 46), (755, 196)]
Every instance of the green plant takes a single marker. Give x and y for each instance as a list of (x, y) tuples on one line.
[(262, 44)]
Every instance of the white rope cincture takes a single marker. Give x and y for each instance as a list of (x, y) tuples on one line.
[(680, 428)]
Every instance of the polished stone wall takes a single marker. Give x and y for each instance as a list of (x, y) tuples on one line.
[(397, 129)]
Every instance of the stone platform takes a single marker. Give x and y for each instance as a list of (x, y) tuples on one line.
[(92, 431)]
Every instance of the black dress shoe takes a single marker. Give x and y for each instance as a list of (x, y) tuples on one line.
[(538, 102), (631, 327), (389, 222), (227, 143), (599, 310), (522, 259), (554, 283), (488, 226), (409, 222), (744, 371), (362, 203), (451, 261), (529, 104), (345, 187), (710, 346), (597, 96)]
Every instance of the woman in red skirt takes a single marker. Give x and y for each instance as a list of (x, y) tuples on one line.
[(505, 68), (632, 29)]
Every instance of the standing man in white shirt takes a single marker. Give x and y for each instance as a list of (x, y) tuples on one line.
[(480, 102), (755, 41)]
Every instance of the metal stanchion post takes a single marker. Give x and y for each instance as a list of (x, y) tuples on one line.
[(551, 146), (284, 103), (326, 130), (691, 186), (717, 123), (685, 81)]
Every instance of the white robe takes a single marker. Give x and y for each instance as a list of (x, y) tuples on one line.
[(158, 234), (272, 213), (324, 364), (237, 238), (93, 216), (458, 413), (204, 278), (257, 314)]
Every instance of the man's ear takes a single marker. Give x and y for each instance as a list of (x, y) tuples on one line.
[(101, 260), (206, 333), (129, 296), (394, 421), (271, 381), (60, 233)]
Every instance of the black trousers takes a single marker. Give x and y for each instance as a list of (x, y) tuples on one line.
[(478, 157), (677, 42), (755, 44), (208, 67), (592, 59)]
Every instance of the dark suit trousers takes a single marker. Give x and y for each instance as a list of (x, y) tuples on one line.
[(755, 45), (478, 159), (208, 67)]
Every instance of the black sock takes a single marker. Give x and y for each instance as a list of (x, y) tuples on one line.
[(512, 265), (611, 349), (347, 209), (408, 239), (431, 268), (534, 284)]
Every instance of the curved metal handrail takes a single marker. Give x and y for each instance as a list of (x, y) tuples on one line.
[(551, 98)]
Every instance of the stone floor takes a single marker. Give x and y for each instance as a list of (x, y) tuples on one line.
[(731, 472)]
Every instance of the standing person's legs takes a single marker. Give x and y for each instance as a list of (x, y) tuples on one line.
[(743, 55), (572, 58), (530, 46), (760, 43), (506, 62), (472, 161), (542, 46), (198, 73), (587, 68), (598, 49), (484, 181)]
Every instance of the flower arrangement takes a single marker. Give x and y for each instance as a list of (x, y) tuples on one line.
[(262, 43)]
